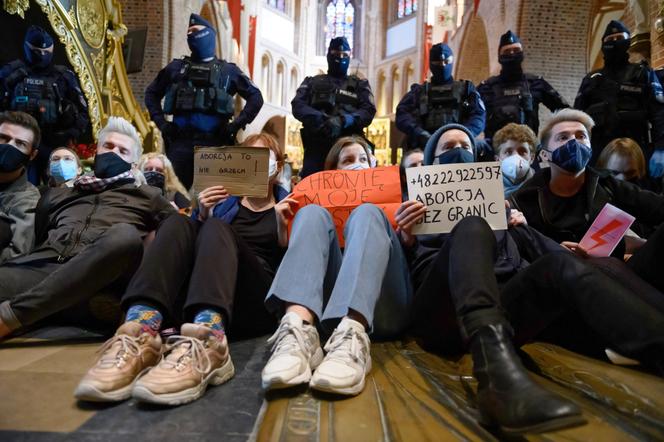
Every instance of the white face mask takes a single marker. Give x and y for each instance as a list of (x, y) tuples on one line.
[(356, 166), (515, 168), (273, 167)]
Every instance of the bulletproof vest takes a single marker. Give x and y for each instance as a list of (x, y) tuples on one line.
[(442, 104), (202, 88), (326, 96), (36, 93), (619, 102), (512, 103)]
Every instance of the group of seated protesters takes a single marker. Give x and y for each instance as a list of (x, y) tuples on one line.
[(252, 266)]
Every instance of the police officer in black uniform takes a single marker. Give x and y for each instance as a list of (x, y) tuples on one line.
[(199, 93), (514, 96), (428, 106), (50, 93), (622, 97), (330, 106)]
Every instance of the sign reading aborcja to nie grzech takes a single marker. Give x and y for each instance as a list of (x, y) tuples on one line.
[(452, 192), (242, 170)]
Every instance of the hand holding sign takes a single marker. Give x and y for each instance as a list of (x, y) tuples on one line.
[(210, 197), (606, 231)]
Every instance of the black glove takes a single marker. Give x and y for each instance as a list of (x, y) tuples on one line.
[(169, 130), (231, 133), (332, 127), (422, 138)]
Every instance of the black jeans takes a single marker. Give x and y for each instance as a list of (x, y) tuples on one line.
[(5, 234), (34, 290), (193, 265), (462, 287)]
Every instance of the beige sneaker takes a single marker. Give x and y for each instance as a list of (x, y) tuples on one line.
[(192, 361), (123, 358), (347, 362)]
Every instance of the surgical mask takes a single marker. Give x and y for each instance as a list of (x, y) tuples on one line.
[(110, 164), (511, 62), (202, 44), (515, 168), (155, 179), (273, 167), (615, 51), (356, 166), (11, 159), (454, 156), (572, 156), (337, 66), (63, 170)]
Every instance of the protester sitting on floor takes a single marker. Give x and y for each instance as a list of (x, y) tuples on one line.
[(365, 289), (514, 146), (158, 172), (223, 259), (476, 287), (64, 166), (624, 159), (87, 237), (563, 201), (19, 138), (412, 158)]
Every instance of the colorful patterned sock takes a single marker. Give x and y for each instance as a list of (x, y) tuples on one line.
[(210, 318), (145, 315)]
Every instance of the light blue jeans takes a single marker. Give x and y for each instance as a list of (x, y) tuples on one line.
[(371, 277)]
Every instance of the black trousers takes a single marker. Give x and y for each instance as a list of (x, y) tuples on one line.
[(38, 289), (462, 287), (5, 234), (191, 266)]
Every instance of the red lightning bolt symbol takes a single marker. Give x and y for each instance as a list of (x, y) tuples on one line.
[(599, 235)]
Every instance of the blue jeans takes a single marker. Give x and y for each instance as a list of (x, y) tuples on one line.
[(371, 277)]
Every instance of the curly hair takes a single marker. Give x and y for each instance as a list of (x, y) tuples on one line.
[(517, 132)]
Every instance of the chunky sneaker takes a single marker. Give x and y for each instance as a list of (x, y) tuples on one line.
[(192, 361), (295, 353), (134, 349), (347, 361)]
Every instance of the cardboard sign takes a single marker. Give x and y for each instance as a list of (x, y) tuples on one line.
[(341, 191), (606, 231), (242, 170), (452, 192)]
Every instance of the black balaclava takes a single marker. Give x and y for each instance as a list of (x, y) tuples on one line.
[(615, 52), (37, 38), (440, 74), (338, 66), (201, 43), (511, 63)]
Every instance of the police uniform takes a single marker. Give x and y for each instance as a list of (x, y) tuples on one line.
[(514, 96), (331, 106), (622, 98), (443, 100), (199, 92), (48, 92)]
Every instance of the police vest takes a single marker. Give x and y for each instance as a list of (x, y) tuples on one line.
[(621, 101), (202, 88), (35, 93), (442, 104), (326, 96), (512, 103)]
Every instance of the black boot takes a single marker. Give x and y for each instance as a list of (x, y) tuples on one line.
[(506, 395)]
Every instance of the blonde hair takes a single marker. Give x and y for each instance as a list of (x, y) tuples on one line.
[(567, 114), (626, 148), (121, 126), (171, 183)]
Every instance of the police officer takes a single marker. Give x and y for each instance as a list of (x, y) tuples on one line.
[(428, 106), (49, 92), (622, 97), (199, 93), (514, 96), (330, 106)]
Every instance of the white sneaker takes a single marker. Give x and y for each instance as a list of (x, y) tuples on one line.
[(347, 362), (295, 353)]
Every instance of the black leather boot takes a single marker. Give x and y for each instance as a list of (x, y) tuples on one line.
[(506, 394)]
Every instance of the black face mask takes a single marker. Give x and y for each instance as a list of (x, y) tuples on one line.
[(155, 179), (11, 159), (110, 164), (615, 52), (511, 63), (441, 74), (337, 66)]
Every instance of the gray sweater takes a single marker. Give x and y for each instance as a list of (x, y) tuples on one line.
[(17, 207)]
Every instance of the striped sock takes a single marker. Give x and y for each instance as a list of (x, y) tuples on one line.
[(210, 318), (145, 315)]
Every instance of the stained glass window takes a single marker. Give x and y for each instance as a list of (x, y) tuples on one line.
[(406, 8), (277, 4), (340, 15)]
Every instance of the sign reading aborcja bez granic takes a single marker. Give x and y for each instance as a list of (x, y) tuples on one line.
[(452, 192)]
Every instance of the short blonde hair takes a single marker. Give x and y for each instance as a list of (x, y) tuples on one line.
[(171, 182), (563, 115), (121, 126)]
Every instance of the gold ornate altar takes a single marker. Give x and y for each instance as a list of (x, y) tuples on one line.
[(92, 33)]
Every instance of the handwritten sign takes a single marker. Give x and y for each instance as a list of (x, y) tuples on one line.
[(606, 231), (242, 170), (452, 192), (341, 191)]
